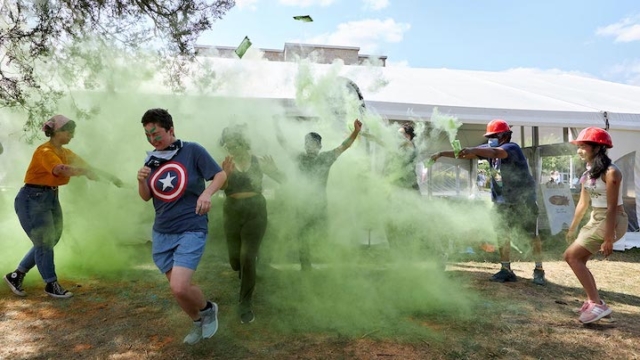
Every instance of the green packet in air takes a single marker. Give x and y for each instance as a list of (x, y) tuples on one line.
[(304, 18), (243, 47)]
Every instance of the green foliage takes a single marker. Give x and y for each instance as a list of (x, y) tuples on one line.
[(50, 48)]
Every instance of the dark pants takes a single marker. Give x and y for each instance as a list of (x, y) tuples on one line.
[(312, 225), (521, 217), (40, 216), (245, 222)]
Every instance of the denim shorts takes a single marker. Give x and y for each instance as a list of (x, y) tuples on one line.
[(184, 250)]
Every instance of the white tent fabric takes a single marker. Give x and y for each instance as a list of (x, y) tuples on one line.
[(523, 97)]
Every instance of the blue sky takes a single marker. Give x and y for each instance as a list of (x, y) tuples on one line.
[(598, 38)]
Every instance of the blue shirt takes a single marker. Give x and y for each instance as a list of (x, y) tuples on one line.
[(511, 180), (175, 187)]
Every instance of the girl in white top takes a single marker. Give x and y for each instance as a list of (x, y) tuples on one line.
[(601, 185)]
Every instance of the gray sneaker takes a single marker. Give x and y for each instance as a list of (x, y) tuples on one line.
[(209, 321), (195, 334), (538, 277)]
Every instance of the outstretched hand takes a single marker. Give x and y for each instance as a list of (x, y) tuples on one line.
[(268, 165), (357, 125)]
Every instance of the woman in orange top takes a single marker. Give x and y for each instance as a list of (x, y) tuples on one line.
[(38, 207)]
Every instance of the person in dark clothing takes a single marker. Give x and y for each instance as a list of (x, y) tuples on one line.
[(314, 166), (245, 211), (513, 191), (402, 167)]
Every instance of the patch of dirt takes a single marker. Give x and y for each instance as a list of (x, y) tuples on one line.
[(137, 318)]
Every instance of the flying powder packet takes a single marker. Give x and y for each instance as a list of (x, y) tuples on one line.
[(303, 18), (243, 47)]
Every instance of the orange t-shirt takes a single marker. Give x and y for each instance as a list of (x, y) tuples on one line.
[(45, 158)]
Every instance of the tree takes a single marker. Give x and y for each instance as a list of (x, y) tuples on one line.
[(48, 47)]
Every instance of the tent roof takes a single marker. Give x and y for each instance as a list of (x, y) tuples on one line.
[(521, 96)]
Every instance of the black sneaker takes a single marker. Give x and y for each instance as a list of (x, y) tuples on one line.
[(56, 290), (538, 277), (14, 280), (247, 317), (504, 275)]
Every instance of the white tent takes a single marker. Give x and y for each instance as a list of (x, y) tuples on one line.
[(523, 97)]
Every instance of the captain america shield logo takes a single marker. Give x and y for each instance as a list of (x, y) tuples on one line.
[(169, 182)]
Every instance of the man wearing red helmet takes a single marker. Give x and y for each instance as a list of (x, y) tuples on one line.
[(601, 185), (513, 191)]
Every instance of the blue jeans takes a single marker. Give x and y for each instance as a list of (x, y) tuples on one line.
[(40, 215)]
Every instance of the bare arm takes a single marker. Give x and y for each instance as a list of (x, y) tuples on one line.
[(69, 170), (357, 126), (279, 136), (143, 187), (88, 171), (270, 169), (203, 205), (473, 153), (613, 178)]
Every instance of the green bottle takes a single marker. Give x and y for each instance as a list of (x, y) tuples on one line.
[(456, 147)]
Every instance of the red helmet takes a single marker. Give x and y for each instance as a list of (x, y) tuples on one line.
[(497, 126), (595, 135)]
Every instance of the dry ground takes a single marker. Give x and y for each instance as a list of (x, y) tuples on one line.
[(132, 316)]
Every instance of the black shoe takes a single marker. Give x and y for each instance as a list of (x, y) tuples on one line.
[(14, 280), (247, 317), (504, 275), (56, 290), (538, 277)]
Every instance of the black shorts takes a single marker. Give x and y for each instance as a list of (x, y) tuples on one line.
[(522, 216)]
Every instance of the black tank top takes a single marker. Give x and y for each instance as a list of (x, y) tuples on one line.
[(245, 181)]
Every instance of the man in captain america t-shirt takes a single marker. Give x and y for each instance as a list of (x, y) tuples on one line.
[(174, 176)]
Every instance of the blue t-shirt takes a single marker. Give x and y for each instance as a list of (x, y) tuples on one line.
[(511, 180), (175, 187)]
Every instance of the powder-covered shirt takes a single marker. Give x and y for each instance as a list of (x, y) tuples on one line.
[(175, 187), (316, 167), (511, 180), (315, 171), (245, 181), (597, 190), (45, 159)]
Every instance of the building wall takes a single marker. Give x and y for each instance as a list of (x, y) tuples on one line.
[(323, 54)]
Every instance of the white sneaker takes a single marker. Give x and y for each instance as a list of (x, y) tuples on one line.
[(209, 321), (195, 335)]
